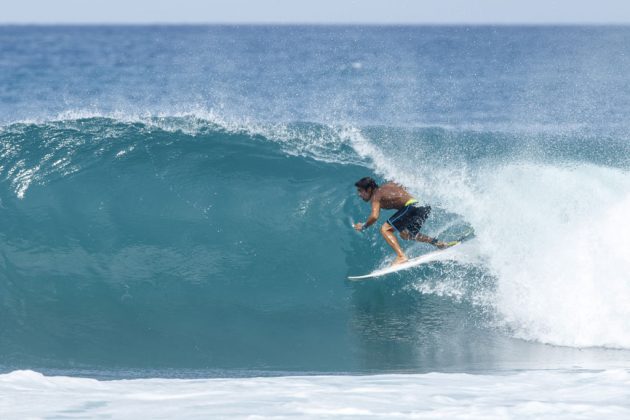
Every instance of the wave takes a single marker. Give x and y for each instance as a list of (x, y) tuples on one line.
[(212, 244)]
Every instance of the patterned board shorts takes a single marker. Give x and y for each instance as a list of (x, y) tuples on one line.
[(410, 218)]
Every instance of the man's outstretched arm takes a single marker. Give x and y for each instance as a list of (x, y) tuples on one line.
[(376, 211)]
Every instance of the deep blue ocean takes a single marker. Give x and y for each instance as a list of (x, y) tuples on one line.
[(177, 201)]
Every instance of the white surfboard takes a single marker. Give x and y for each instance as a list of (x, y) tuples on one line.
[(438, 255)]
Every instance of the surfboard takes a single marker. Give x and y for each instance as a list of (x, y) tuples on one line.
[(438, 255)]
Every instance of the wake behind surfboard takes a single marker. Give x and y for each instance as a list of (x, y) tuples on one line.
[(438, 255)]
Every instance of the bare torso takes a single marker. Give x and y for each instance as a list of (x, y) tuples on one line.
[(391, 196)]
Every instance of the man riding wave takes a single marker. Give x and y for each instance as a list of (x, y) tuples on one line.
[(407, 220)]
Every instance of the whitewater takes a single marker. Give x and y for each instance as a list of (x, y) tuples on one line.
[(175, 211)]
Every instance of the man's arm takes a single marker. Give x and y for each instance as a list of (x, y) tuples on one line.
[(376, 211)]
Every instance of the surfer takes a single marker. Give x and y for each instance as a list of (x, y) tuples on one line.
[(407, 220)]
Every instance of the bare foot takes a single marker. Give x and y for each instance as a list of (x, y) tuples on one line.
[(399, 260), (442, 245)]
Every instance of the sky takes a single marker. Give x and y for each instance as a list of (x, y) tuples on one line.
[(317, 11)]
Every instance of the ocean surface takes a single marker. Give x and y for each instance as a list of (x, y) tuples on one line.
[(176, 206)]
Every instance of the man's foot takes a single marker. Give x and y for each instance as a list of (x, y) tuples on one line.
[(399, 260), (443, 245)]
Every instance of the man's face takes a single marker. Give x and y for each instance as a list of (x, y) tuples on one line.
[(364, 194)]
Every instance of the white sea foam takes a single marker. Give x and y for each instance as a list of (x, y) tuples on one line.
[(531, 394), (558, 241)]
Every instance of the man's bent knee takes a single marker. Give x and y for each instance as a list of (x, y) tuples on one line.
[(386, 228)]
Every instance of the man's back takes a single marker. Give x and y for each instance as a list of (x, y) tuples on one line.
[(392, 196)]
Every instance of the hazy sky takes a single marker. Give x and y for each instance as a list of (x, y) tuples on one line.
[(315, 11)]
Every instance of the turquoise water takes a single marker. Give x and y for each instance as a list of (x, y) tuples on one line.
[(178, 201)]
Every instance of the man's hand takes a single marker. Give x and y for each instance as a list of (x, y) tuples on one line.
[(358, 227)]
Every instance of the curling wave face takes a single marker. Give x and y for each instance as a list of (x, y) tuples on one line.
[(184, 242)]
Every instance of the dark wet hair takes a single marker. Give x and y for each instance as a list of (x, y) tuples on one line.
[(366, 183)]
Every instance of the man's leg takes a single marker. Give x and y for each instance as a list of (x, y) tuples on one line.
[(424, 238), (388, 233)]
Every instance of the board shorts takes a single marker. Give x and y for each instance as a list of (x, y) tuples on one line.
[(410, 218)]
